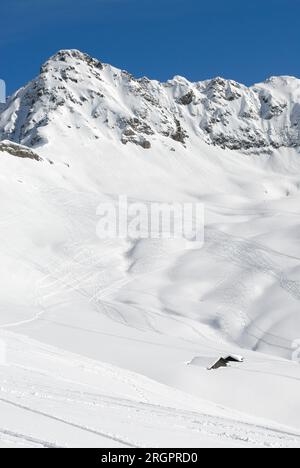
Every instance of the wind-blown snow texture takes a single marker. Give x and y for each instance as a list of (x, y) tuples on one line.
[(98, 334)]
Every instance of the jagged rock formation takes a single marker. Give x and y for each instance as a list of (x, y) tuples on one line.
[(75, 91), (19, 151)]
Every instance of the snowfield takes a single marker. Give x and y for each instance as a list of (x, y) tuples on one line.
[(106, 343), (51, 398)]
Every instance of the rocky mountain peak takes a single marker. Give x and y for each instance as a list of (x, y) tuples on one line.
[(75, 91), (74, 55)]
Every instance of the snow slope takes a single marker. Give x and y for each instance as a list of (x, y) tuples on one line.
[(99, 334), (50, 398)]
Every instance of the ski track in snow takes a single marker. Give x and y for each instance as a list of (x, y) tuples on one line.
[(15, 439), (69, 423), (133, 313), (253, 258), (26, 389)]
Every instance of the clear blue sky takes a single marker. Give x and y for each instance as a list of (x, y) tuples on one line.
[(245, 41)]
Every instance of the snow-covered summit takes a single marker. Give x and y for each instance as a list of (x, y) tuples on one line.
[(75, 91), (97, 333)]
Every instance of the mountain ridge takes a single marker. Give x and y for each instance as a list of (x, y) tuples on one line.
[(106, 313), (75, 90)]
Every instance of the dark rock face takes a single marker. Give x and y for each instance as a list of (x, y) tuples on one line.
[(136, 125), (139, 140), (218, 88), (146, 144), (180, 135), (187, 99), (64, 55), (18, 151), (134, 131)]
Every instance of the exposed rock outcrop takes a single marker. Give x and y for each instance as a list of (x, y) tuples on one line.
[(76, 91), (18, 151)]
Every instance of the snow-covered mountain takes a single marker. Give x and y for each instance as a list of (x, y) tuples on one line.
[(74, 90), (99, 333)]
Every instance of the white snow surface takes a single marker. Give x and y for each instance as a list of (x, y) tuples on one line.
[(107, 343)]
